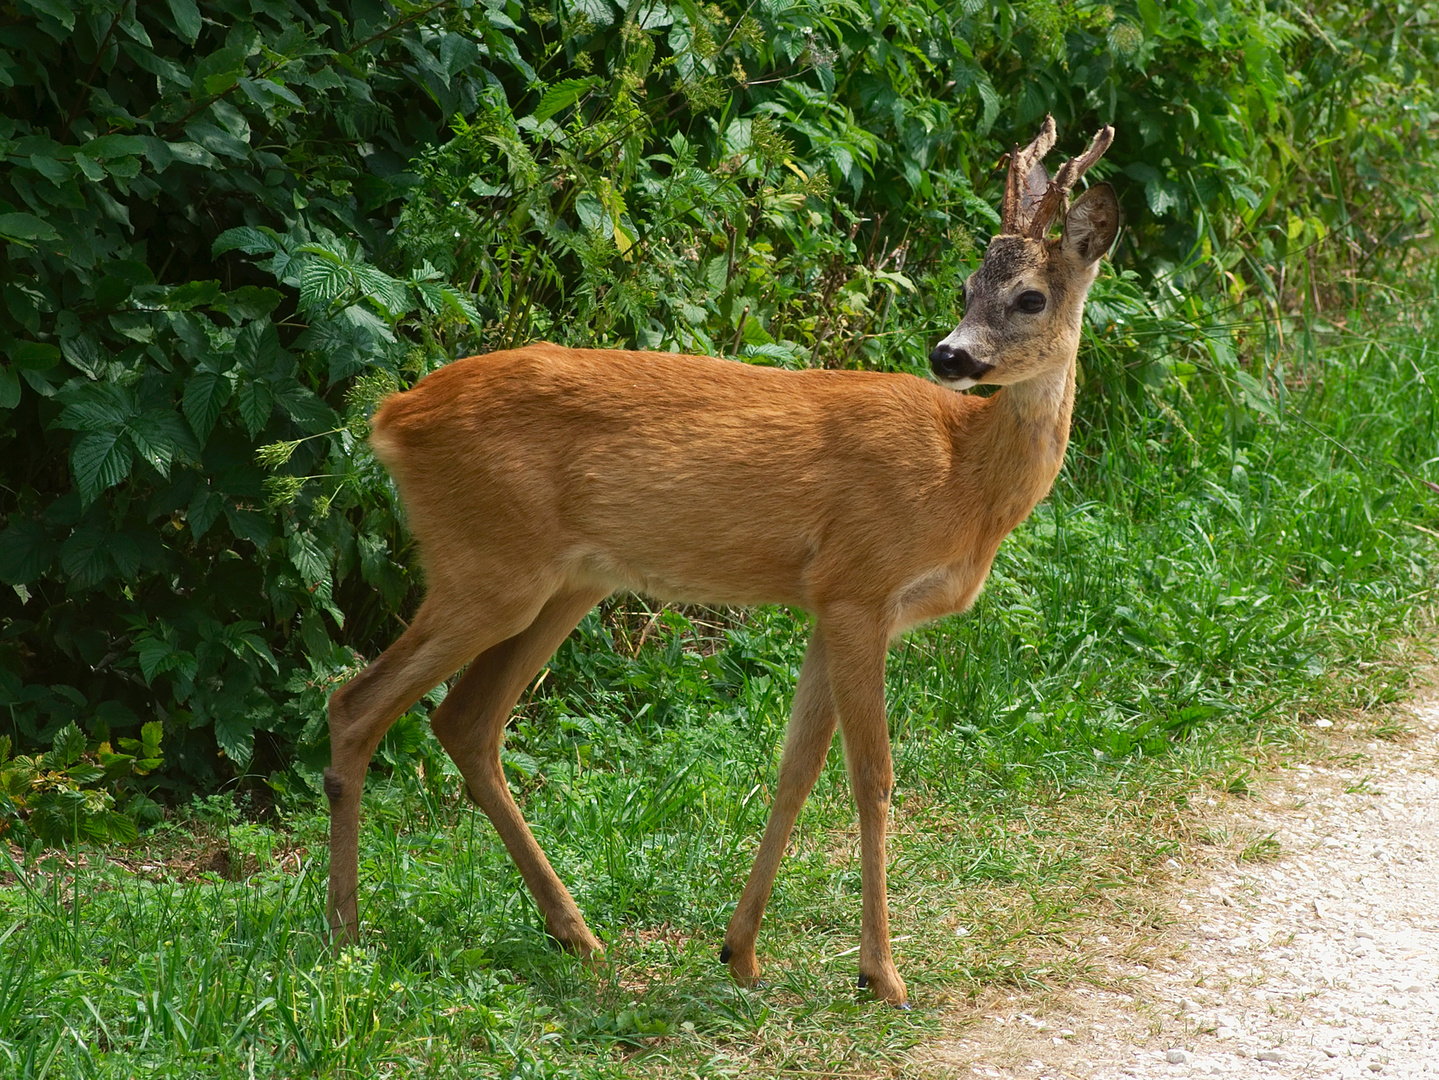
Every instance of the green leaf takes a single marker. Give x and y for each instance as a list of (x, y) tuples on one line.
[(155, 653), (187, 19), (457, 52), (22, 227), (379, 570), (35, 355), (1256, 395), (124, 552), (249, 302), (248, 525), (84, 558), (989, 101), (69, 746), (430, 295), (235, 735), (256, 644), (267, 94), (54, 171), (192, 294), (204, 400), (257, 347), (159, 436), (306, 557), (219, 71), (62, 13), (305, 408), (165, 71), (217, 140), (562, 95), (461, 304), (86, 354), (162, 154), (99, 460), (322, 282), (93, 170), (26, 552), (249, 239), (9, 388), (135, 325), (379, 287), (120, 828), (107, 147), (102, 406), (256, 403), (205, 507)]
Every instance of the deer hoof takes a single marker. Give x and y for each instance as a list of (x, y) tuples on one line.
[(891, 990), (743, 966)]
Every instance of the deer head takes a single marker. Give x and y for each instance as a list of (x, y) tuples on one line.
[(1022, 306)]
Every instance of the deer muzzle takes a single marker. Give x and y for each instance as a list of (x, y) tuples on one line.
[(954, 363)]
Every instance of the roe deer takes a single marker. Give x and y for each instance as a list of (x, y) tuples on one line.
[(539, 480)]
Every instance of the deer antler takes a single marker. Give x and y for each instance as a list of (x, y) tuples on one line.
[(1056, 198), (1018, 190)]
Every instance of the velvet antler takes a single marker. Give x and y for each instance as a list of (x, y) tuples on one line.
[(1031, 200), (1026, 180)]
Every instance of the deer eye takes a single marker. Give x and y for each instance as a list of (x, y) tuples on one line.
[(1031, 302)]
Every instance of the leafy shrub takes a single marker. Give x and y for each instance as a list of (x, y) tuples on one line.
[(78, 789), (231, 225)]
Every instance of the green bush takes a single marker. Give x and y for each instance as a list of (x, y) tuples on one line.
[(230, 226), (79, 790)]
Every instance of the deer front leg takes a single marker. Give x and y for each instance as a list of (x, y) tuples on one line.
[(811, 730), (857, 650)]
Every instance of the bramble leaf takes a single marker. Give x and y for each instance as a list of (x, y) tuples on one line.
[(99, 460), (256, 403), (26, 551), (204, 400)]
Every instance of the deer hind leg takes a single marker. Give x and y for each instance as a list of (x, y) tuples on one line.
[(856, 673), (470, 724), (436, 645), (807, 741)]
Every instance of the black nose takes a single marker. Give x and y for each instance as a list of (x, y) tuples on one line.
[(949, 362)]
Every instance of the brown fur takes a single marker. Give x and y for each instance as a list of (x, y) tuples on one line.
[(539, 480)]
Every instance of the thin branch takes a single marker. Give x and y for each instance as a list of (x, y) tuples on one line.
[(84, 94)]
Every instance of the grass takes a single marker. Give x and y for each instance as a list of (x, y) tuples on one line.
[(1190, 596)]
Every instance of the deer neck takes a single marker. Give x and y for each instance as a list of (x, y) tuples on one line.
[(1023, 438)]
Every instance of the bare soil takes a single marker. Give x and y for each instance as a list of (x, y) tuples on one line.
[(1301, 941)]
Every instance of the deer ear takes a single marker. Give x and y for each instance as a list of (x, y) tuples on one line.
[(1091, 224)]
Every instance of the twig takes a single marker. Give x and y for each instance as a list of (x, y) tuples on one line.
[(85, 89)]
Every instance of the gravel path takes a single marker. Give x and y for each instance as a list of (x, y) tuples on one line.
[(1321, 962)]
